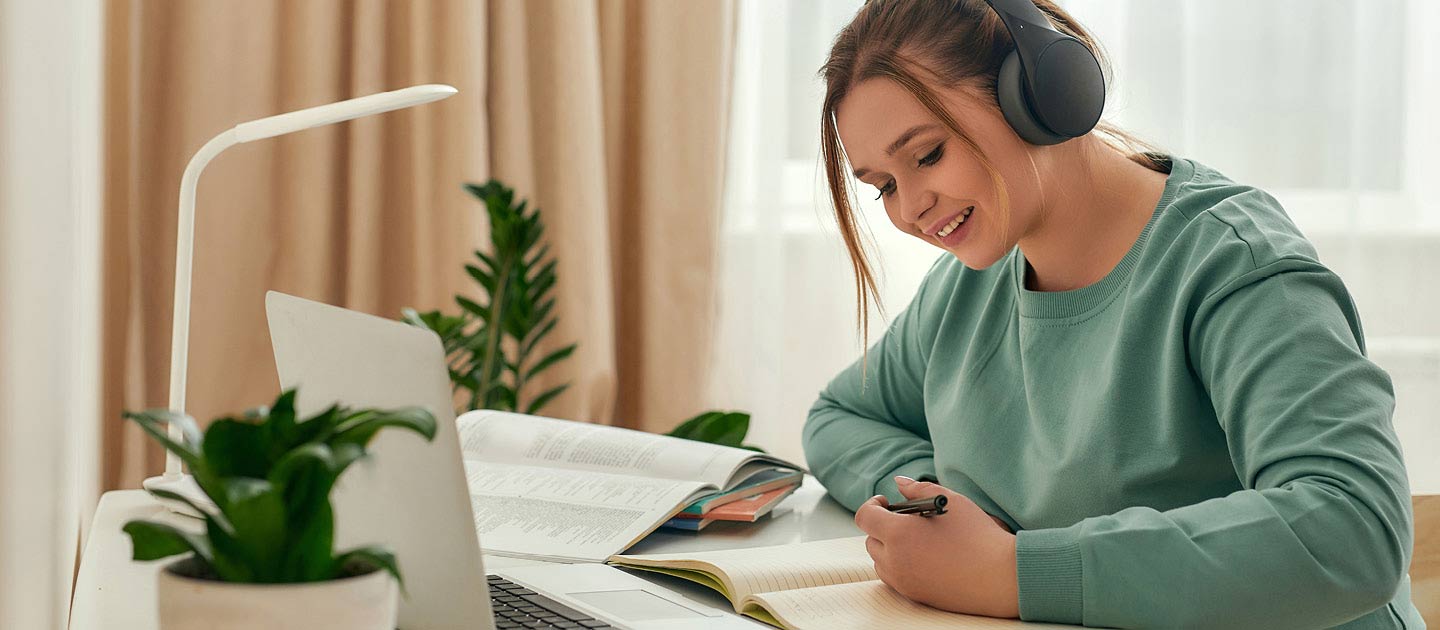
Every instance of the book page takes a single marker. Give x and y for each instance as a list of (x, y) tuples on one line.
[(500, 437), (567, 514), (867, 605), (777, 568)]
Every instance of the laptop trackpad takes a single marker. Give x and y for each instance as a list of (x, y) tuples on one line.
[(634, 605)]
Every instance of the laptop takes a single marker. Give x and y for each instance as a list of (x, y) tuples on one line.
[(411, 494)]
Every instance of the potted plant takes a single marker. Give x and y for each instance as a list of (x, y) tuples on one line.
[(265, 557), (490, 343)]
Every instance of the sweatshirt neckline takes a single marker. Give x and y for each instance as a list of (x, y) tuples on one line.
[(1062, 304)]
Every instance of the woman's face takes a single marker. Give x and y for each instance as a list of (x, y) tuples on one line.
[(928, 179)]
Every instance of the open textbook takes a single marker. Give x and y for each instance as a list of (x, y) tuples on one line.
[(563, 490), (826, 584)]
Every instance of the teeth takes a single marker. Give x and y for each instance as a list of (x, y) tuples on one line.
[(945, 231)]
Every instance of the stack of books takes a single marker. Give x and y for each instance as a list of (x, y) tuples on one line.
[(745, 503)]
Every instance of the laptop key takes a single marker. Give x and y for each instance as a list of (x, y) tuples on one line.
[(594, 624), (557, 607)]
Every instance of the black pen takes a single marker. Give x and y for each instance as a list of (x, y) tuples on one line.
[(922, 507)]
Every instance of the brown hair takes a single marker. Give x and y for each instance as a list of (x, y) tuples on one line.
[(951, 43)]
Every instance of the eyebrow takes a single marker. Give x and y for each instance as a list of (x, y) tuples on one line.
[(899, 143)]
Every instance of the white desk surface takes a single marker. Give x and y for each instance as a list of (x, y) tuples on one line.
[(112, 591)]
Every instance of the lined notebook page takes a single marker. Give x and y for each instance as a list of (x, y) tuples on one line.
[(783, 567), (867, 605)]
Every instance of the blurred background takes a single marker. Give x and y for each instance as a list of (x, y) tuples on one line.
[(672, 147)]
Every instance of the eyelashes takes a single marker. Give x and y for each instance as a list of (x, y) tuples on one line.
[(929, 160)]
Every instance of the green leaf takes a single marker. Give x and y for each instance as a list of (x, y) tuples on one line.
[(236, 448), (543, 399), (448, 327), (689, 427), (374, 556), (304, 479), (543, 311), (175, 496), (549, 360), (542, 281), (727, 429), (361, 426), (281, 425), (472, 307), (489, 262), (151, 541), (230, 559), (535, 337), (485, 279), (415, 318), (257, 523), (538, 256), (317, 427), (502, 398), (153, 422)]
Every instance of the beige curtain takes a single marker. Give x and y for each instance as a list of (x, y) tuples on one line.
[(367, 214), (606, 114), (611, 116)]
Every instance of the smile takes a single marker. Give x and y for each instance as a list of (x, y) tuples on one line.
[(950, 227)]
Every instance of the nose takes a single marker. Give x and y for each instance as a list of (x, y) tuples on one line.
[(913, 206)]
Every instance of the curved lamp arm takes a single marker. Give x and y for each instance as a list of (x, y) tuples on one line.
[(185, 228)]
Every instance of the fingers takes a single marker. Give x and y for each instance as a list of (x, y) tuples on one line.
[(875, 548), (873, 519), (919, 489)]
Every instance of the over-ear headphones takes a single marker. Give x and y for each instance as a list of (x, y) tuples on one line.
[(1050, 87)]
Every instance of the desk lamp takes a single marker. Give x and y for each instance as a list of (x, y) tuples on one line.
[(298, 120)]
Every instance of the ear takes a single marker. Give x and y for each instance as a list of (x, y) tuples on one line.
[(1010, 92)]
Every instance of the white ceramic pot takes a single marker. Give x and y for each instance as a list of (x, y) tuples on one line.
[(363, 602)]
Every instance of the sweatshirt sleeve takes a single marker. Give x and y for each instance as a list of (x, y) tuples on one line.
[(861, 433), (1321, 532)]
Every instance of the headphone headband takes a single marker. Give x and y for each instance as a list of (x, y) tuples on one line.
[(1050, 88)]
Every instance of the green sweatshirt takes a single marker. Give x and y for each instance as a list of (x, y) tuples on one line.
[(1197, 440)]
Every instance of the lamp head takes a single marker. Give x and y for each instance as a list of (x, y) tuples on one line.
[(341, 111)]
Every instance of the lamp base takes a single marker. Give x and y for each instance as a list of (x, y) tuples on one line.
[(183, 485)]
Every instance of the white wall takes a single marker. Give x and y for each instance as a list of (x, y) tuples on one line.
[(50, 94), (1388, 274)]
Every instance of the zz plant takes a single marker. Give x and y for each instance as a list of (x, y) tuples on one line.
[(269, 476), (490, 346)]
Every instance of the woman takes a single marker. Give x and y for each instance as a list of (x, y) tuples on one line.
[(1161, 390)]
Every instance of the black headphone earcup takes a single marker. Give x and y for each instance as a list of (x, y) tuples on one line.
[(1010, 92)]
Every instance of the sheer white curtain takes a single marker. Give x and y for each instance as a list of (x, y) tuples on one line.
[(1327, 104), (50, 90)]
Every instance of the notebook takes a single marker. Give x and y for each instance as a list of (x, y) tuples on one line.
[(746, 510), (757, 484), (573, 491), (823, 585)]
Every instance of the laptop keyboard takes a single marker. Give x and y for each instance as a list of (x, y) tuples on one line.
[(518, 607)]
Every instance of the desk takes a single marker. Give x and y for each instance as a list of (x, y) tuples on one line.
[(114, 592)]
